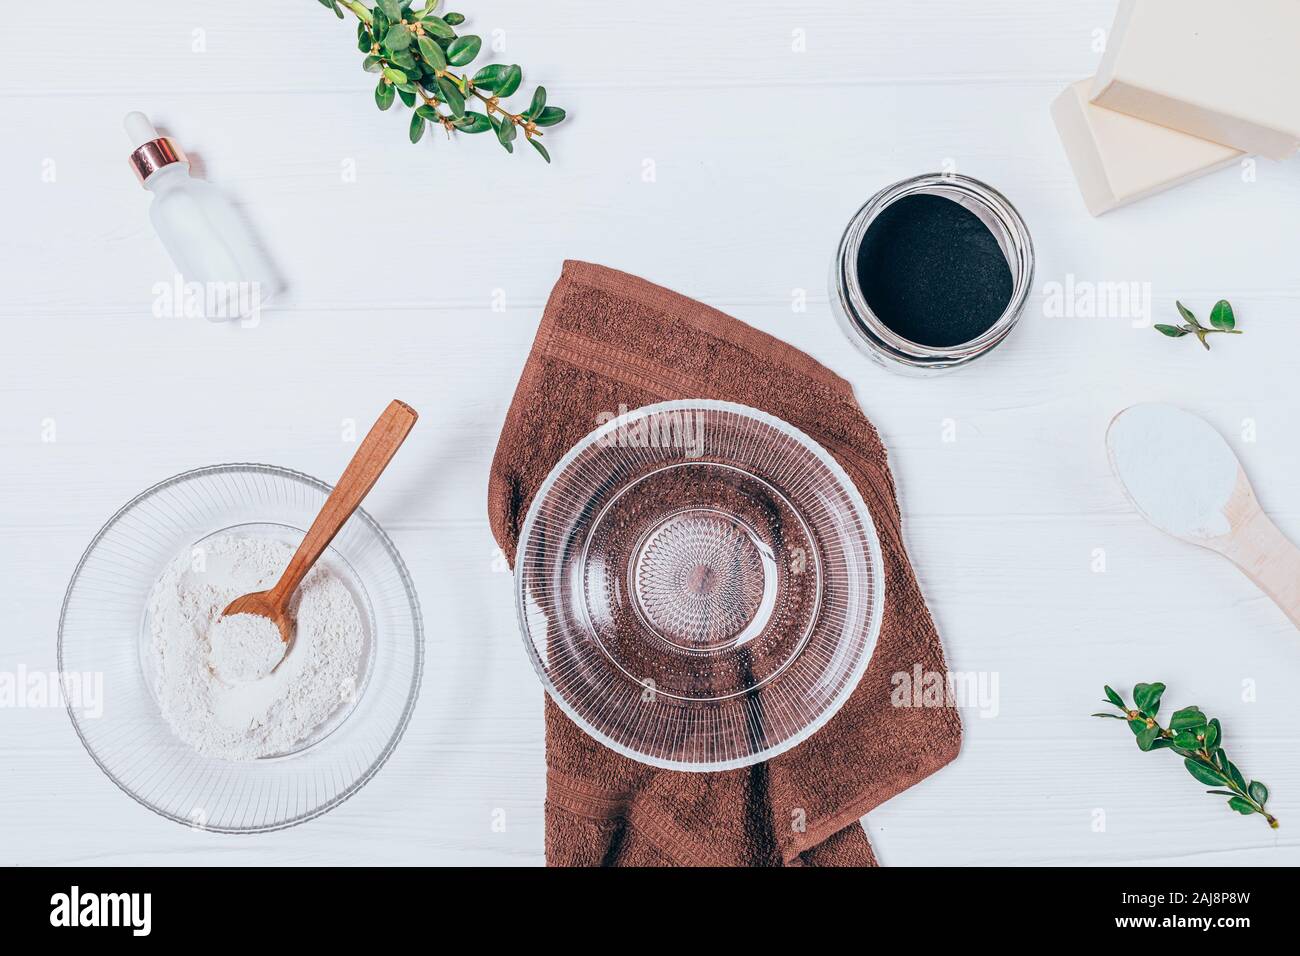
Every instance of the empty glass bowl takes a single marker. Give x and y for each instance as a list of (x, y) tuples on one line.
[(104, 631), (699, 585)]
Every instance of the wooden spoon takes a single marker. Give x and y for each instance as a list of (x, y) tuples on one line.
[(372, 457), (1231, 522)]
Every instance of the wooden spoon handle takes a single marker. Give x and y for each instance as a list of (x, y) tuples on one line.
[(1270, 559), (372, 457)]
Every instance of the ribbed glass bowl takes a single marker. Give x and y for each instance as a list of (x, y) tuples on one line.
[(104, 631), (699, 585)]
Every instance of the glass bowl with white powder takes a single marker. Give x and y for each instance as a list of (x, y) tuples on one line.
[(216, 742), (229, 698)]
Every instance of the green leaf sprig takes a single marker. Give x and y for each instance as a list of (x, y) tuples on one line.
[(415, 53), (1222, 320), (1195, 738)]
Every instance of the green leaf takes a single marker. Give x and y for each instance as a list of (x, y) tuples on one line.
[(1111, 696), (490, 76), (432, 53), (403, 61), (1186, 740), (407, 93), (1137, 726), (364, 39), (463, 50), (473, 123), (550, 116), (1258, 792), (1161, 743), (1222, 793), (1147, 738), (455, 19), (428, 112), (392, 9), (332, 5), (438, 27), (397, 37), (1116, 716), (1221, 316), (394, 75), (538, 103), (417, 127), (503, 136), (1212, 731), (384, 94), (1189, 718), (450, 94), (1241, 806), (510, 80), (1236, 776), (1186, 313), (372, 64), (541, 149), (1147, 697), (1170, 330), (1203, 773)]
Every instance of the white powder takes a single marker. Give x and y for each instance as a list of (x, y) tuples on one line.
[(1177, 469), (245, 647), (243, 721)]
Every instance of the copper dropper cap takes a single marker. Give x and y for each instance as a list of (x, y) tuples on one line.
[(154, 151)]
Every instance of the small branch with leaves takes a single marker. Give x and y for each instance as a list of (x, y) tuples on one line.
[(1221, 320), (1195, 738), (414, 52)]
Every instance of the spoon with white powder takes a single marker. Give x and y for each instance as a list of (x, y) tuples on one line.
[(253, 632), (1183, 478)]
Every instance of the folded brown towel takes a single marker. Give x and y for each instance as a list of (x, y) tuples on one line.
[(609, 339)]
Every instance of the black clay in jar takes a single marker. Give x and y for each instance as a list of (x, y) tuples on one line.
[(931, 273)]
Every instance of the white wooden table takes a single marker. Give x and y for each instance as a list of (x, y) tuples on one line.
[(717, 149)]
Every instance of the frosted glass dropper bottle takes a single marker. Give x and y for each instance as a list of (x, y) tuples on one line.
[(225, 273)]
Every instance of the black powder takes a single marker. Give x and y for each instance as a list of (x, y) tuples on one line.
[(933, 272)]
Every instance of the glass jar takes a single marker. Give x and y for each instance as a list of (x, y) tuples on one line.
[(881, 343)]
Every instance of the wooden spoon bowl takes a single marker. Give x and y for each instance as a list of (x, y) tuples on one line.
[(268, 604)]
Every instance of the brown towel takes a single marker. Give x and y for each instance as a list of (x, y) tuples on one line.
[(609, 339)]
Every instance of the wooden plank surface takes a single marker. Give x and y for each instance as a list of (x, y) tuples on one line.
[(706, 154)]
